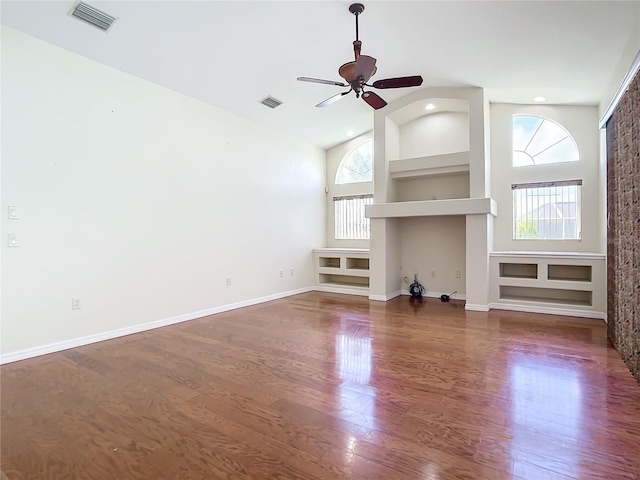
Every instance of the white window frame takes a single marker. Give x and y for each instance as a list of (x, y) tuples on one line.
[(569, 153), (555, 196)]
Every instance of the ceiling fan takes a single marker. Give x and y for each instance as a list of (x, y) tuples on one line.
[(358, 73)]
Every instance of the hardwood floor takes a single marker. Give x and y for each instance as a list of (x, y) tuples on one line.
[(323, 386)]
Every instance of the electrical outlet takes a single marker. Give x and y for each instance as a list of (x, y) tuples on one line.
[(14, 213), (291, 271), (75, 304), (433, 273), (281, 273), (457, 273), (13, 240), (228, 281)]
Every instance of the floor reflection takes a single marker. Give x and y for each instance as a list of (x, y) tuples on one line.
[(546, 404), (353, 356), (357, 397), (416, 304)]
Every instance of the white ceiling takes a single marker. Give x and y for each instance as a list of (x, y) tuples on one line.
[(232, 54)]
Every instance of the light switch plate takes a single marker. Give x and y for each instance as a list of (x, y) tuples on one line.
[(13, 240), (14, 213)]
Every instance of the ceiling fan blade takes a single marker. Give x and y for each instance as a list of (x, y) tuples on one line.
[(398, 82), (365, 66), (332, 99), (319, 80), (374, 100)]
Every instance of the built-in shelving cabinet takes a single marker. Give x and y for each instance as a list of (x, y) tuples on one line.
[(430, 165), (548, 282), (342, 270)]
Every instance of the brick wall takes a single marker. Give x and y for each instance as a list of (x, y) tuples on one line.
[(623, 232)]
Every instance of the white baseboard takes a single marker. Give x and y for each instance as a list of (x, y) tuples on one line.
[(121, 332), (476, 307), (549, 310), (385, 298)]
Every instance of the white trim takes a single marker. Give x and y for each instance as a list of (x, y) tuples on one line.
[(554, 255), (341, 250), (121, 332), (385, 298), (549, 310), (476, 307), (633, 70)]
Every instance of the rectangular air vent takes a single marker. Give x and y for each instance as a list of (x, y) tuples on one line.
[(271, 102), (92, 15)]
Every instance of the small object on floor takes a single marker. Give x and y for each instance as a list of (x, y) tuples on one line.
[(446, 298), (416, 289)]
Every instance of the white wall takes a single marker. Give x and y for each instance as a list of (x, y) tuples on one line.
[(139, 201), (628, 59), (582, 124), (434, 245), (335, 156), (435, 134), (437, 187)]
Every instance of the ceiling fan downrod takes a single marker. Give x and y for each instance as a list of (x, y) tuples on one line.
[(357, 9)]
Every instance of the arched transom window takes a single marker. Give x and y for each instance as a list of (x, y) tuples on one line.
[(357, 167), (539, 141)]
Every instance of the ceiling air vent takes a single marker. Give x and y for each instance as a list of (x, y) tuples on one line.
[(271, 102), (92, 15)]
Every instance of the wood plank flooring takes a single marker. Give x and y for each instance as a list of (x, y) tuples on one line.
[(325, 386)]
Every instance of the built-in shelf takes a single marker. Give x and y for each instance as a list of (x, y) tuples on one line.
[(558, 296), (329, 262), (343, 280), (574, 273), (354, 263), (342, 270), (430, 165), (518, 270), (562, 282), (427, 208)]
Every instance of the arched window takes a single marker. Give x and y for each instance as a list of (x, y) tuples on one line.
[(538, 141), (357, 167), (548, 209)]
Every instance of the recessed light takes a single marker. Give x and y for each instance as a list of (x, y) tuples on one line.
[(539, 99), (430, 106), (349, 133)]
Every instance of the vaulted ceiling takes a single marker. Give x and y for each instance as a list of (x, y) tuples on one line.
[(232, 54)]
